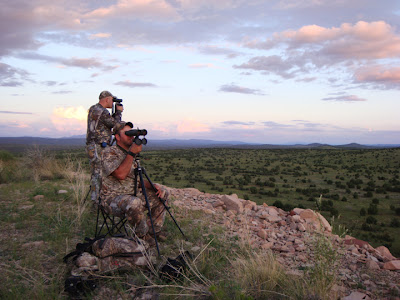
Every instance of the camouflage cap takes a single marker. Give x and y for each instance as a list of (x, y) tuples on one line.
[(121, 125), (105, 94)]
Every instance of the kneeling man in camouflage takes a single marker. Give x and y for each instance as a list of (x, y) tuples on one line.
[(117, 191)]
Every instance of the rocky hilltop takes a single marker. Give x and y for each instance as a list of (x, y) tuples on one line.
[(365, 272)]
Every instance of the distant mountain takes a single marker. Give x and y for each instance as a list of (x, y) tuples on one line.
[(16, 143)]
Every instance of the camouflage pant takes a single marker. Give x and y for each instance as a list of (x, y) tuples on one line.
[(133, 208), (94, 154)]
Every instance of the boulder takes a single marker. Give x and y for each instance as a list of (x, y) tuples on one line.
[(272, 211), (393, 265), (262, 234), (232, 202), (315, 220), (385, 253), (372, 265)]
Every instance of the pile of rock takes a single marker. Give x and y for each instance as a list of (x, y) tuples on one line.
[(291, 235)]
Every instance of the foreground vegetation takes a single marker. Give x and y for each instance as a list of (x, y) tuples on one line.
[(38, 231)]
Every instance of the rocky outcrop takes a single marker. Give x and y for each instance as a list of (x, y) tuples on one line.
[(291, 236)]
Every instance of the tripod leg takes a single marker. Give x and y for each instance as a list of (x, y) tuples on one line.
[(163, 202), (149, 208)]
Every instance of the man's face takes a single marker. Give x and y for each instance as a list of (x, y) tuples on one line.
[(122, 139), (109, 103)]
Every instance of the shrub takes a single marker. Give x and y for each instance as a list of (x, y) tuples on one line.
[(371, 220), (373, 209)]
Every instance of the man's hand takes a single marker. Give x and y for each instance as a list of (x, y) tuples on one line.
[(135, 148)]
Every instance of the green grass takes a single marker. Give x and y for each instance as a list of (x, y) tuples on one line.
[(295, 177)]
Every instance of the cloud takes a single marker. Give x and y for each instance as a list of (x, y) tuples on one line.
[(232, 88), (130, 84), (191, 126), (345, 98), (140, 9), (382, 75), (315, 48), (238, 123), (101, 35), (274, 64), (69, 119), (215, 50), (201, 66), (15, 112), (12, 77), (85, 63)]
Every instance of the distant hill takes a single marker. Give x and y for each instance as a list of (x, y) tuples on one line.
[(20, 143)]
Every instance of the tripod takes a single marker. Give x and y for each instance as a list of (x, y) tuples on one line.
[(140, 171)]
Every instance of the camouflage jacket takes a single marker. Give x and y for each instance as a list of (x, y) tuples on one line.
[(100, 123), (111, 187)]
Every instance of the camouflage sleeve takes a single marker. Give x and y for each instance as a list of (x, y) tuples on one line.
[(111, 161), (110, 121)]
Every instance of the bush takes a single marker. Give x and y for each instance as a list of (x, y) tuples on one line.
[(6, 156), (373, 209), (395, 223), (371, 220), (363, 212)]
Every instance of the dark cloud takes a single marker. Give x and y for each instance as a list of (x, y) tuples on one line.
[(232, 88), (215, 50), (135, 84), (271, 64), (15, 112), (85, 63), (237, 123), (345, 98), (62, 92), (12, 77)]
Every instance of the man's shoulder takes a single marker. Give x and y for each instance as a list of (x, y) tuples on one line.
[(112, 151)]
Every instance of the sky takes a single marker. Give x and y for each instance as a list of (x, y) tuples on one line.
[(256, 71)]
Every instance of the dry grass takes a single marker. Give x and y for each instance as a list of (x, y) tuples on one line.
[(259, 274), (78, 182), (42, 164)]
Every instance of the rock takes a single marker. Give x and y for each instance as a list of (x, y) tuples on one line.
[(354, 241), (38, 197), (230, 214), (232, 202), (178, 203), (372, 265), (193, 191), (218, 203), (393, 265), (301, 227), (297, 211), (267, 245), (272, 211), (262, 234), (62, 192), (325, 223), (356, 296), (385, 253), (273, 219)]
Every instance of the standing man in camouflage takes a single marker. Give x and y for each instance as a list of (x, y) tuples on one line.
[(98, 136), (118, 186)]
